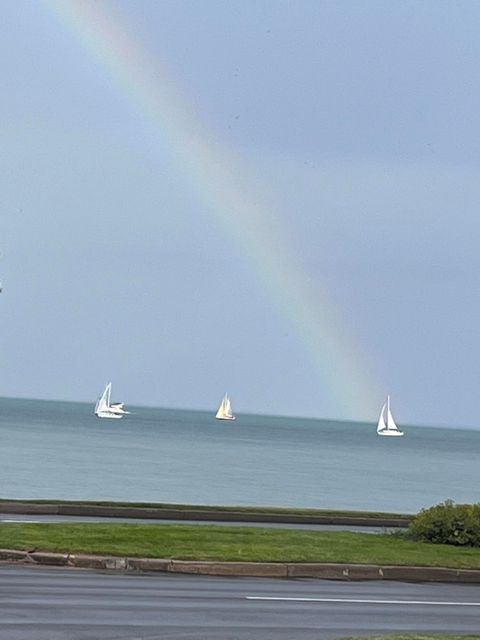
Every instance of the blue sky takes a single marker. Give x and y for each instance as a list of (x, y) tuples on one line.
[(358, 123)]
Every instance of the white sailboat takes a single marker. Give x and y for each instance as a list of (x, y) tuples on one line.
[(225, 410), (105, 409), (387, 427)]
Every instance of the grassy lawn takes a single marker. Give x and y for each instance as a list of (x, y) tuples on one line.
[(222, 508), (233, 543)]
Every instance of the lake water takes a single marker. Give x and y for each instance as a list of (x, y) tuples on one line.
[(60, 450)]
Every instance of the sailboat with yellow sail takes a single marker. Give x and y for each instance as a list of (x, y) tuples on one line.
[(225, 410)]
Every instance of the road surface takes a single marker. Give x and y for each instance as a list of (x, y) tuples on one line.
[(72, 604)]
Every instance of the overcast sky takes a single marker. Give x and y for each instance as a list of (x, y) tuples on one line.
[(357, 126)]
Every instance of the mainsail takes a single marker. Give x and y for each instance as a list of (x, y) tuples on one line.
[(103, 403), (381, 426)]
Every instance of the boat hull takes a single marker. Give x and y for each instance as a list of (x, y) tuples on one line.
[(107, 414), (225, 418), (390, 433)]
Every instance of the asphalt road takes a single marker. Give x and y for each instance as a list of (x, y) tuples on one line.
[(14, 517), (61, 604)]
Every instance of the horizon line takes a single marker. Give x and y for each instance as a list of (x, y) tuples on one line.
[(250, 413)]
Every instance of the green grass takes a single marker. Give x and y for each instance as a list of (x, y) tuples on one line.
[(233, 543), (221, 508)]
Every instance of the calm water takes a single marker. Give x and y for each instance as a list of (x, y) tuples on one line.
[(60, 450)]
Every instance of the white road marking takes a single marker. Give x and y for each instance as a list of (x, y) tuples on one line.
[(362, 601)]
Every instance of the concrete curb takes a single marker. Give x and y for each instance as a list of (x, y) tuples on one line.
[(213, 515), (325, 571)]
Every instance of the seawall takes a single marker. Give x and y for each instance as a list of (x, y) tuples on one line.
[(204, 514)]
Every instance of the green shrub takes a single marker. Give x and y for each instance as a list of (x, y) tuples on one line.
[(448, 523)]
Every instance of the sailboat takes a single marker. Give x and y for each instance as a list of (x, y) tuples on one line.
[(388, 427), (225, 410), (105, 409)]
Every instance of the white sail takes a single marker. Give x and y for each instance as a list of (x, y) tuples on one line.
[(391, 426), (225, 410), (388, 428), (381, 426), (103, 403)]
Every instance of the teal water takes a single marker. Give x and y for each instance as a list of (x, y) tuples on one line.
[(60, 450)]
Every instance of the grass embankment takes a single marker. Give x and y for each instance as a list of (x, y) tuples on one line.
[(184, 542), (220, 508)]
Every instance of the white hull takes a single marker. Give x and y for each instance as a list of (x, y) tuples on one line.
[(108, 414), (387, 432), (225, 418)]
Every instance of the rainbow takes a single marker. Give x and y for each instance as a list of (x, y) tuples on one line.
[(345, 386)]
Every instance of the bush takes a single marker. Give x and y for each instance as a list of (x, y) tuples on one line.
[(448, 523)]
